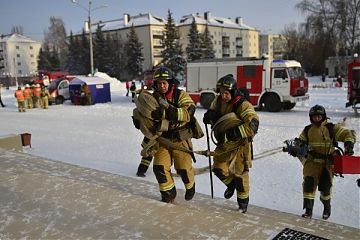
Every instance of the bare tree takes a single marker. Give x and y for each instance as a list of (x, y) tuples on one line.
[(55, 38), (17, 29), (352, 22)]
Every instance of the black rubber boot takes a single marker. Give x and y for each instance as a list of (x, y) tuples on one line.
[(189, 194), (168, 196), (308, 213), (243, 204), (308, 206), (229, 192), (327, 209)]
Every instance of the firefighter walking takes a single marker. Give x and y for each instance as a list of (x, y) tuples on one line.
[(321, 137), (234, 123), (28, 97), (44, 97), (177, 108), (36, 95), (19, 95)]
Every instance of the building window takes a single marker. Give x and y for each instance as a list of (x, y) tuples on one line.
[(31, 47), (19, 72), (31, 55), (19, 63), (17, 47), (18, 55)]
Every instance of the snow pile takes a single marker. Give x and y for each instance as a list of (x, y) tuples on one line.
[(115, 84)]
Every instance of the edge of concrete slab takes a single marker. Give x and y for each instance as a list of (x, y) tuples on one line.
[(42, 198)]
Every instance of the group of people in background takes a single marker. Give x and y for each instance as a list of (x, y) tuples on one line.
[(35, 96)]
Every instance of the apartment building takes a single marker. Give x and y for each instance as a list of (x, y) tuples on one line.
[(149, 29), (273, 45), (20, 55), (231, 38)]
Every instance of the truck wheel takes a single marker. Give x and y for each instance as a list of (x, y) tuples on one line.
[(288, 105), (272, 103), (206, 99), (59, 100)]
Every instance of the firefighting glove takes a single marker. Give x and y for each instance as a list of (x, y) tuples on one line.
[(157, 113), (209, 117), (233, 134), (293, 153), (136, 122), (349, 148), (171, 114)]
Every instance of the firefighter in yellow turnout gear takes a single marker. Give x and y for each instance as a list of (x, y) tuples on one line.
[(321, 137), (44, 97), (233, 158), (177, 107)]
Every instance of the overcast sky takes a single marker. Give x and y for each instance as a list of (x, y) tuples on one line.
[(33, 15)]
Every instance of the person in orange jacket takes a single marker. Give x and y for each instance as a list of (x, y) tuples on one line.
[(19, 94), (28, 96), (36, 95)]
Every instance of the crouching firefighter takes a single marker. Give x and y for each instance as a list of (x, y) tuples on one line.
[(321, 138), (234, 124), (175, 107)]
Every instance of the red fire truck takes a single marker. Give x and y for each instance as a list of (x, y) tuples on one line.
[(46, 77), (272, 84), (353, 95)]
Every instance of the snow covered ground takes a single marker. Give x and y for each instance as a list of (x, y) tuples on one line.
[(102, 137)]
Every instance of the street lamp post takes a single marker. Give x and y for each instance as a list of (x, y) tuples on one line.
[(89, 10)]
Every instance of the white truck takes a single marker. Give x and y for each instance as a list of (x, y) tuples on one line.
[(59, 91), (272, 84)]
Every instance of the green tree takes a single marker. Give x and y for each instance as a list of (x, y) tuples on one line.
[(54, 59), (44, 59), (172, 53), (207, 45), (74, 63), (84, 54), (134, 54), (193, 50), (99, 46)]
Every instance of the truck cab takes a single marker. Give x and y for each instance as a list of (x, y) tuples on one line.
[(59, 91)]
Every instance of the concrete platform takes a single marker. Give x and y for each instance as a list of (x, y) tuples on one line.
[(43, 199)]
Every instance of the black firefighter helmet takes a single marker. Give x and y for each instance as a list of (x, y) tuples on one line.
[(318, 110), (163, 73), (227, 82)]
